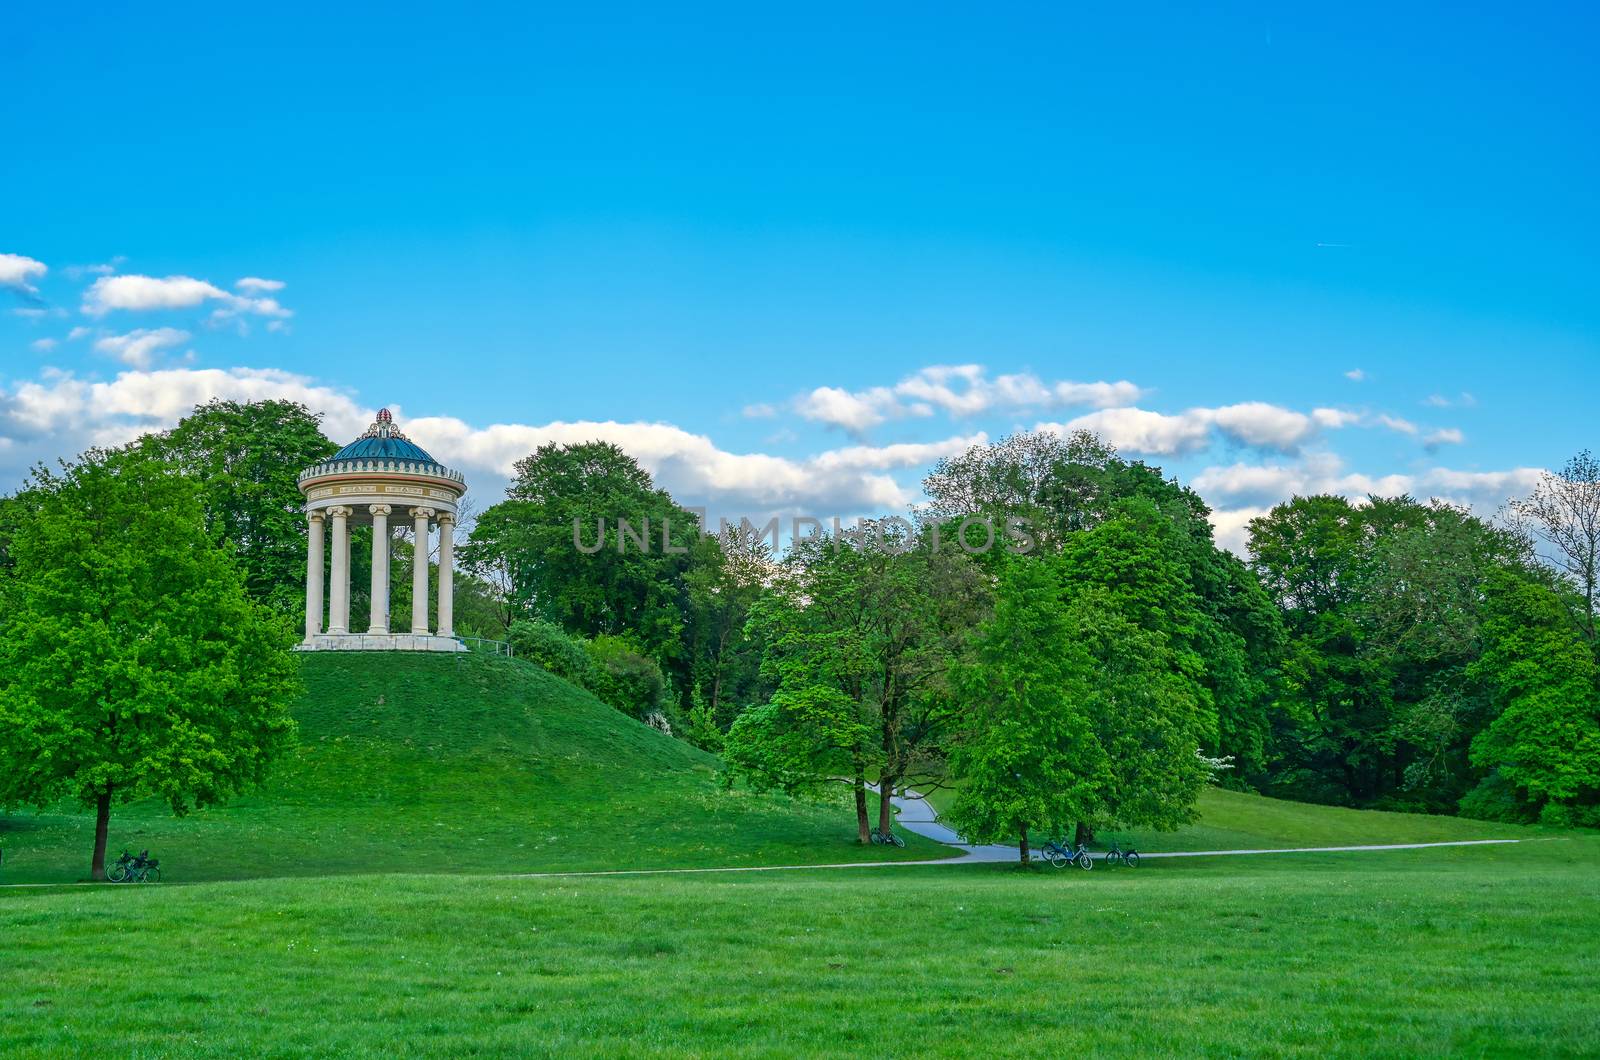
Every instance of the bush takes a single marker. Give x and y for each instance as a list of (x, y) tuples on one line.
[(627, 679), (545, 644), (1494, 799)]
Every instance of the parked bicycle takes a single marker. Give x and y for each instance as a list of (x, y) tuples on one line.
[(889, 840), (1062, 856), (135, 868), (1117, 856)]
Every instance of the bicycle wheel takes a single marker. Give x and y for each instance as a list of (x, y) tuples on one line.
[(117, 873), (1131, 859), (1056, 858), (896, 840), (1085, 862), (152, 874)]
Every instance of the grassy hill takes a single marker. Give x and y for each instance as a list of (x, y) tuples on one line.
[(461, 763)]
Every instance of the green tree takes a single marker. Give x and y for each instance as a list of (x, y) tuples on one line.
[(1028, 757), (133, 663), (1078, 717), (880, 618), (559, 546), (247, 458), (1063, 488), (725, 580), (1563, 511), (1544, 740)]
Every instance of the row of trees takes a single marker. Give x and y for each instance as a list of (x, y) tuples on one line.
[(1388, 653)]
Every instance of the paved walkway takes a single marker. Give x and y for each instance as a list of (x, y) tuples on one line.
[(917, 815)]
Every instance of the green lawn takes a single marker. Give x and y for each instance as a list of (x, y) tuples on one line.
[(1481, 951), (418, 778), (461, 763)]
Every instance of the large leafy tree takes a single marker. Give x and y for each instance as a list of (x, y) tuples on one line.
[(1028, 757), (1384, 602), (1061, 488), (247, 457), (1544, 740), (1078, 715), (133, 662), (544, 542), (876, 623)]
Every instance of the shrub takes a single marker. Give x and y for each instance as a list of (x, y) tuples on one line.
[(545, 644), (627, 679), (1494, 799)]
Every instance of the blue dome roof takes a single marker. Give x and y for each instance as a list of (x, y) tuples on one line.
[(392, 448), (383, 441)]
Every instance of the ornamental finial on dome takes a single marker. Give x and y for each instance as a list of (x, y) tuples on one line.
[(383, 427)]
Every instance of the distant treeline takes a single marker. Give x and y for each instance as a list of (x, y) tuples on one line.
[(1389, 653)]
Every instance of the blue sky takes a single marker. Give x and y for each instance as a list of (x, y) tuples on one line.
[(650, 222)]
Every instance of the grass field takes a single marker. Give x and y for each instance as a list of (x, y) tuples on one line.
[(1481, 951), (358, 906), (457, 764)]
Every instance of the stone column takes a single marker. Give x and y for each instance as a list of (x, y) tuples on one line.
[(339, 577), (447, 523), (380, 568), (314, 576), (419, 569)]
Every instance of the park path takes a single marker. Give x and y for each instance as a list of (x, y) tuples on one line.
[(917, 815)]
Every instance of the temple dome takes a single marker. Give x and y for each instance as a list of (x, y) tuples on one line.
[(384, 440), (384, 448)]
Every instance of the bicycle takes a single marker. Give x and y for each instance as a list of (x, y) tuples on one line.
[(135, 869), (889, 840), (1117, 856), (1062, 856)]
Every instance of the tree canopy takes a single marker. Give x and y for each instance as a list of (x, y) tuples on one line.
[(133, 663)]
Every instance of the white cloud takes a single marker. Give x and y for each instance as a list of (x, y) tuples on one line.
[(1335, 418), (78, 272), (59, 415), (256, 285), (78, 332), (16, 271), (1237, 486), (1230, 528), (854, 412), (44, 345), (1444, 436), (1142, 431), (1256, 424), (140, 293), (759, 411), (139, 346), (1398, 425), (137, 292), (1436, 401), (904, 454), (1355, 375), (960, 391)]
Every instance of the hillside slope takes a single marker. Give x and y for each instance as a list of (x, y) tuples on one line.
[(460, 763)]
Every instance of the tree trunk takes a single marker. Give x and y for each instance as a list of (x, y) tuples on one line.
[(102, 826), (1022, 844), (863, 822), (1082, 834), (885, 805)]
